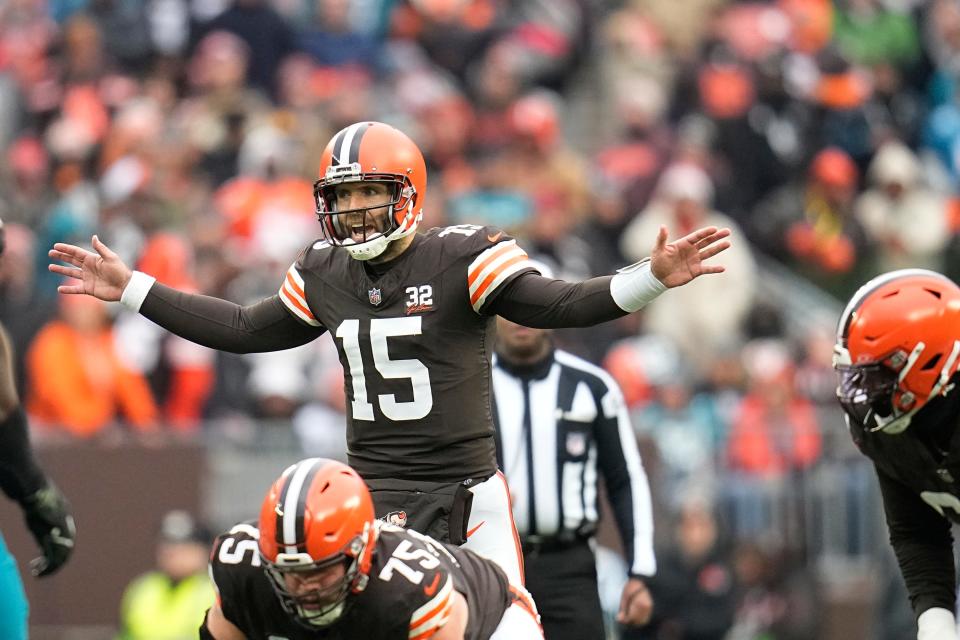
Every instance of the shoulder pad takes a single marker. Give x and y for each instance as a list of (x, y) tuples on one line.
[(239, 546)]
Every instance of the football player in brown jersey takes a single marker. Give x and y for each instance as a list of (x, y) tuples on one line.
[(319, 565), (897, 356), (412, 315)]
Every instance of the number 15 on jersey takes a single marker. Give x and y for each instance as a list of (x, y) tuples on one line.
[(413, 370)]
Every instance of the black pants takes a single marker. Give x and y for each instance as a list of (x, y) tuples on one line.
[(563, 583)]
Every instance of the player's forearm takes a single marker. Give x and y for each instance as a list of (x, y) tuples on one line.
[(9, 399), (923, 545), (223, 325), (20, 475), (545, 303), (927, 569)]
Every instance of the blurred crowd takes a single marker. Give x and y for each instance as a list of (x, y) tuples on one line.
[(187, 133)]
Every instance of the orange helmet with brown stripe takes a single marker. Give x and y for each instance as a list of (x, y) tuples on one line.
[(371, 152), (317, 514)]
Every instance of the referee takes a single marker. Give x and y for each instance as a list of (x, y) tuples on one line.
[(560, 421)]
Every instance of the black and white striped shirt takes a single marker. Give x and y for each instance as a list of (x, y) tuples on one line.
[(560, 422)]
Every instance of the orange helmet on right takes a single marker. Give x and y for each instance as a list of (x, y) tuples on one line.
[(897, 347)]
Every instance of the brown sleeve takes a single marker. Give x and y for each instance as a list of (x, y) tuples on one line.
[(226, 326), (923, 544), (545, 303)]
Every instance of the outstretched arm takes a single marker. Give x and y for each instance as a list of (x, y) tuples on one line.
[(212, 322), (535, 301)]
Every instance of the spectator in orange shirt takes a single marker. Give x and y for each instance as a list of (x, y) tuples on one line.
[(76, 379), (774, 438), (775, 430)]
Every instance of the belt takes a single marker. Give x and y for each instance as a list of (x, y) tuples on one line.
[(547, 544)]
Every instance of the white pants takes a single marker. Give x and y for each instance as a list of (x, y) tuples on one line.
[(491, 531), (520, 621)]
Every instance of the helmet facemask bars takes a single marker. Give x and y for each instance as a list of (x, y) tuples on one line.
[(871, 394), (897, 348), (317, 537), (315, 608), (370, 153)]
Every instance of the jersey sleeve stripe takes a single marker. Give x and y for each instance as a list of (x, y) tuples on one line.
[(297, 308), (434, 624), (482, 261), (430, 617), (295, 282), (496, 278), (293, 291), (293, 298)]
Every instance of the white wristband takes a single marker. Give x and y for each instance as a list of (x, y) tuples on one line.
[(634, 286), (937, 624), (136, 290)]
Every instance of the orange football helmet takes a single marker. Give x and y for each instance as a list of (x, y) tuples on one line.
[(897, 347), (317, 514), (371, 152)]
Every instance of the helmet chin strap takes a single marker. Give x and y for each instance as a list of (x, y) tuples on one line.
[(376, 246), (373, 247), (890, 425), (324, 620), (369, 249)]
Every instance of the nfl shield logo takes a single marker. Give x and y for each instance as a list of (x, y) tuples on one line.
[(375, 297)]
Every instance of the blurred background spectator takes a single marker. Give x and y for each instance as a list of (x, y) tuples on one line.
[(187, 132), (705, 317), (77, 381), (170, 602), (776, 595), (695, 587)]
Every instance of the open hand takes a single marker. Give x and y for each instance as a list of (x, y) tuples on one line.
[(102, 274), (680, 261)]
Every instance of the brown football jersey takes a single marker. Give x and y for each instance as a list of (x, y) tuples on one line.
[(415, 344), (411, 579)]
